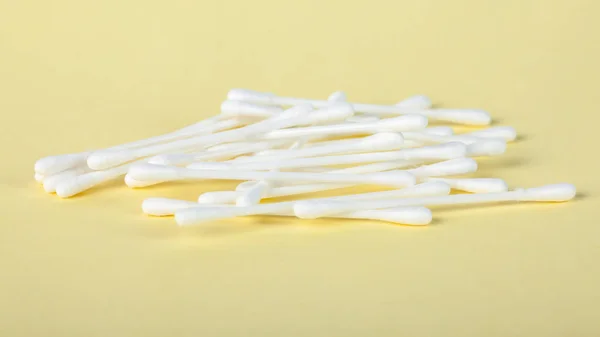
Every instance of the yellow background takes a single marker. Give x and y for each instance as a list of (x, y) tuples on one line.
[(76, 75)]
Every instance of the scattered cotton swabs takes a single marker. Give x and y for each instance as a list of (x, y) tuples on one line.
[(286, 146)]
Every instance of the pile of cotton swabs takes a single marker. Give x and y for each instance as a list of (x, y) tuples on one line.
[(284, 146)]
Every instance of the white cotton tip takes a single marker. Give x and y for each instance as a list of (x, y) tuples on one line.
[(438, 131), (492, 147), (476, 185), (165, 206), (446, 151), (415, 216), (555, 193), (417, 102), (38, 177), (249, 95), (103, 160), (132, 183), (404, 123), (53, 164), (151, 172), (238, 108), (218, 197), (210, 166), (334, 113), (506, 133), (382, 141), (461, 116), (69, 187), (338, 96), (447, 168), (392, 178), (51, 182)]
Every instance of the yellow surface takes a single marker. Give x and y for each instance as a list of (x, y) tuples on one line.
[(76, 75)]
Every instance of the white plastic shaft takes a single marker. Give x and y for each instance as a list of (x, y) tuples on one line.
[(553, 193)]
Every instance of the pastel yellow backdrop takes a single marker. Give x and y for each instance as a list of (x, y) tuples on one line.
[(76, 75)]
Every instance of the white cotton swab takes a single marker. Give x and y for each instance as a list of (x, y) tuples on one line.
[(434, 152), (194, 216), (384, 141), (461, 116), (152, 172), (451, 167), (165, 206), (396, 124), (552, 193)]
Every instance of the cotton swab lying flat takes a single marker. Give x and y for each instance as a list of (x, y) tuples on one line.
[(453, 167), (397, 124), (461, 116), (152, 172), (407, 216), (166, 206), (384, 141), (553, 193), (435, 152), (193, 216)]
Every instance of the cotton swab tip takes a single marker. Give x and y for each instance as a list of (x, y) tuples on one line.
[(554, 193), (417, 102), (486, 147)]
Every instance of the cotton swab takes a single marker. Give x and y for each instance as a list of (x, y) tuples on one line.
[(434, 152), (396, 124), (461, 116), (384, 141), (165, 206), (553, 193), (152, 172), (193, 216), (452, 167)]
